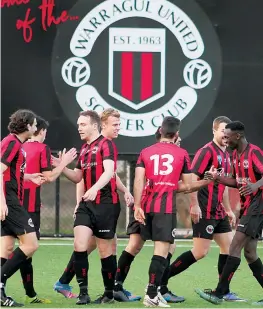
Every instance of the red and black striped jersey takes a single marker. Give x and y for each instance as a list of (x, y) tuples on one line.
[(38, 159), (164, 164), (210, 198), (90, 161), (13, 156), (248, 167)]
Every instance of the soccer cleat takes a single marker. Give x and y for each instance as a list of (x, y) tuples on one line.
[(170, 297), (154, 302), (36, 300), (258, 303), (209, 296), (83, 299), (64, 289), (123, 295), (103, 299), (233, 297)]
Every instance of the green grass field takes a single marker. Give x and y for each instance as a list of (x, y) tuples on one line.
[(53, 255)]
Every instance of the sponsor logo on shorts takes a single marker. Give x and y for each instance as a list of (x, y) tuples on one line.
[(30, 222), (210, 229), (174, 232), (241, 225), (104, 231)]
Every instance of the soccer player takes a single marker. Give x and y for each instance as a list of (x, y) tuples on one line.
[(163, 165), (38, 160), (210, 207), (247, 177), (110, 127), (15, 220), (134, 246), (98, 212)]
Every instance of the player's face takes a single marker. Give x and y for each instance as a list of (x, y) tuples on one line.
[(32, 128), (219, 134), (232, 139), (85, 127), (111, 127), (43, 134), (178, 141)]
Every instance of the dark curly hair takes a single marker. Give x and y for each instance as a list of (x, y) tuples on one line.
[(19, 121)]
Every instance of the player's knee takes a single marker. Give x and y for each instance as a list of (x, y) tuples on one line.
[(250, 255), (92, 245), (235, 248), (80, 245), (134, 247), (114, 248), (200, 253)]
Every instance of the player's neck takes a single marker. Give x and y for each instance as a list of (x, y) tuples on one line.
[(35, 139), (105, 135), (167, 140), (93, 137), (22, 137), (223, 148), (242, 146)]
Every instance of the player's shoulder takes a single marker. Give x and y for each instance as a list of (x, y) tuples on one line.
[(205, 148), (34, 146), (10, 138), (254, 147)]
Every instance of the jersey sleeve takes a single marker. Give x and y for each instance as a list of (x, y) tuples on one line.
[(9, 151), (257, 159), (201, 161), (45, 159), (187, 165), (108, 151), (140, 162)]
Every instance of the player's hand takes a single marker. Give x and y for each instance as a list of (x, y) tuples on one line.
[(3, 211), (139, 215), (69, 156), (248, 189), (232, 217), (129, 200), (196, 213), (37, 178), (211, 174), (90, 195), (56, 161)]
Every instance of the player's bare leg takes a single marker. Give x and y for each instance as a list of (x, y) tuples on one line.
[(134, 246)]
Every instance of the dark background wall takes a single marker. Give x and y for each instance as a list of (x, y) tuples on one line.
[(27, 82)]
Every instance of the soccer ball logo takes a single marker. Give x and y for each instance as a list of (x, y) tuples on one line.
[(75, 71), (197, 73)]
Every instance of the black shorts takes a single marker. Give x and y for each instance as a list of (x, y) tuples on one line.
[(18, 222), (133, 226), (251, 225), (100, 218), (159, 227), (35, 216), (206, 228)]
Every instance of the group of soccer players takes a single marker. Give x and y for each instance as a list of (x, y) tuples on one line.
[(162, 170)]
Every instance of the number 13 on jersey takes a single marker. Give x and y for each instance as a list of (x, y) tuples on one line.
[(162, 164)]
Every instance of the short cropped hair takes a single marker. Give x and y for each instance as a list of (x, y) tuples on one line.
[(19, 121), (220, 119), (94, 117), (42, 124), (170, 126), (236, 126), (109, 112)]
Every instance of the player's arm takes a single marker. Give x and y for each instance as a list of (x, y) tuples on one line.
[(227, 206), (104, 179), (73, 175), (257, 161), (138, 187), (127, 195), (80, 191), (227, 181), (3, 206)]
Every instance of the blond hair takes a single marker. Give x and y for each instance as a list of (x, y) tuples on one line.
[(109, 112)]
